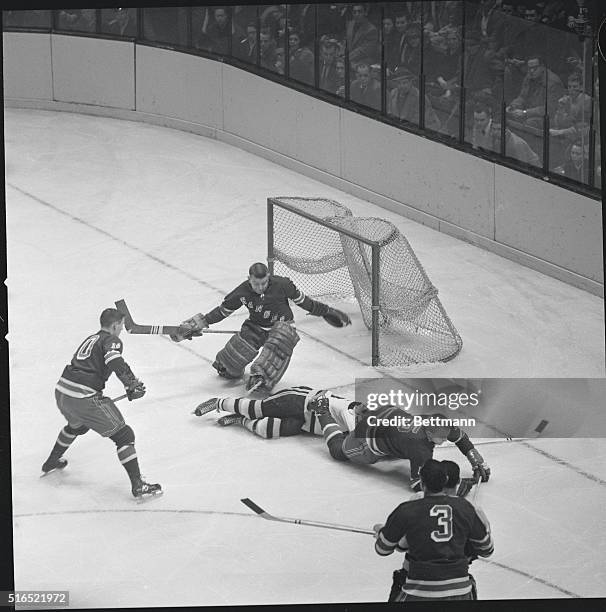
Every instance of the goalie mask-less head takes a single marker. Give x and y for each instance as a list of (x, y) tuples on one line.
[(258, 277)]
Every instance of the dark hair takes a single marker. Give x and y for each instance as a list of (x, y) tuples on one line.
[(482, 107), (433, 475), (109, 316), (453, 472), (258, 270)]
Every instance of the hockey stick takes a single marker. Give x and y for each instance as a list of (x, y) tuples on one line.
[(120, 397), (270, 517), (475, 493), (163, 330)]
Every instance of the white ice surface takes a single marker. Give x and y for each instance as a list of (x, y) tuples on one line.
[(101, 209)]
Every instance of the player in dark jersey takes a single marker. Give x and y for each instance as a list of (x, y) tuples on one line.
[(269, 326), (454, 487), (438, 531), (370, 442), (79, 396), (282, 413)]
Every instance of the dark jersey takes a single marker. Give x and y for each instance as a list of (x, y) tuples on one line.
[(404, 442), (439, 531), (93, 362), (264, 309)]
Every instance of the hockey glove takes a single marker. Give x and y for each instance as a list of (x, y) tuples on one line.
[(376, 528), (135, 390), (319, 404), (336, 318), (480, 467), (465, 486), (190, 328)]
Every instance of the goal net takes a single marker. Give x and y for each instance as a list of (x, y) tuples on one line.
[(334, 256)]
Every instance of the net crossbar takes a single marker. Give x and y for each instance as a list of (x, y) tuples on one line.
[(328, 253)]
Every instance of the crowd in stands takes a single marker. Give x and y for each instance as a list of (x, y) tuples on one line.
[(518, 78)]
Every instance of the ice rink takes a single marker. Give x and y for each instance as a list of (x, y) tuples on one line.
[(101, 209)]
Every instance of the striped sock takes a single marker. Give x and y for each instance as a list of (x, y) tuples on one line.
[(267, 427), (251, 409), (64, 441), (128, 458)]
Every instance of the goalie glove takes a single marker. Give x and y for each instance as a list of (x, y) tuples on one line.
[(135, 390), (336, 318), (480, 467), (190, 328)]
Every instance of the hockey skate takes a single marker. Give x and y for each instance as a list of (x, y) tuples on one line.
[(142, 491), (230, 419), (51, 464), (208, 406)]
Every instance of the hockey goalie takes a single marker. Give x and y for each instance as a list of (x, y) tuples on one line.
[(269, 327)]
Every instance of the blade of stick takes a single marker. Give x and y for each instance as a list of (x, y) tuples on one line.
[(251, 504), (123, 309)]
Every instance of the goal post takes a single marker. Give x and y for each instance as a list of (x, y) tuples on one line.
[(334, 256), (323, 209)]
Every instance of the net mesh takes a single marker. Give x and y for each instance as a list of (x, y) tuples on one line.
[(310, 247)]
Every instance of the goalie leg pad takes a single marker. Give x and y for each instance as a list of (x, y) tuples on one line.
[(275, 354), (234, 357)]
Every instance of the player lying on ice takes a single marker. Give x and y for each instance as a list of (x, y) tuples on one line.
[(283, 413), (268, 327), (370, 442)]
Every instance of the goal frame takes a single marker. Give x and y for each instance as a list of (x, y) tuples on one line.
[(375, 261)]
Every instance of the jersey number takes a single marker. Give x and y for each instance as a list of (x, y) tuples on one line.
[(444, 514), (86, 348)]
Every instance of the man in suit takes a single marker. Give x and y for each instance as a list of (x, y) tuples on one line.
[(365, 90), (362, 38)]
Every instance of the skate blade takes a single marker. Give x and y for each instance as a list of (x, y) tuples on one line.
[(145, 498), (45, 474)]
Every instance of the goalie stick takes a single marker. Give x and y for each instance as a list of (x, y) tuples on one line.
[(162, 330), (270, 517)]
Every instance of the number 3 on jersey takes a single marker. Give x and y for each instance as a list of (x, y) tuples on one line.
[(86, 348), (444, 514)]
